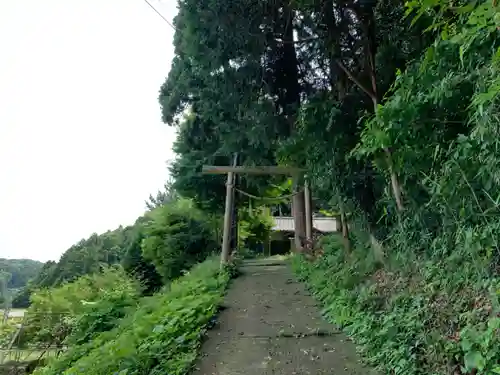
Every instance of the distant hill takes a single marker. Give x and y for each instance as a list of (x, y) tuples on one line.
[(87, 256), (17, 272)]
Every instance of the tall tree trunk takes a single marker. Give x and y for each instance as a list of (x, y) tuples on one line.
[(396, 188), (338, 82), (371, 51), (291, 103), (367, 21)]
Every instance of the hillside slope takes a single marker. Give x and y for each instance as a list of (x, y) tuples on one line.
[(17, 272)]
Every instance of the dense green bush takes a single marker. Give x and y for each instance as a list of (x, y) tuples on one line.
[(177, 237), (162, 336), (419, 318), (135, 264), (89, 305), (105, 312)]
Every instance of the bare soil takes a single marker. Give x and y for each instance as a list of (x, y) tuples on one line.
[(271, 325)]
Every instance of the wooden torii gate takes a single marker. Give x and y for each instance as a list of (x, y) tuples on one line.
[(264, 170)]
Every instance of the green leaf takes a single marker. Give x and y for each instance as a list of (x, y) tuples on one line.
[(474, 360)]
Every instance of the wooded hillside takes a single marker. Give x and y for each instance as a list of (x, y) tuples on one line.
[(392, 108), (17, 272)]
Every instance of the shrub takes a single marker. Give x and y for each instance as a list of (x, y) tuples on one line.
[(135, 264), (424, 318), (161, 337), (177, 237), (91, 304)]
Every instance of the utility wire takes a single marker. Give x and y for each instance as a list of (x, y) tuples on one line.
[(161, 15)]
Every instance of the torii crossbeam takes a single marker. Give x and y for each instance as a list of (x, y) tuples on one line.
[(262, 170), (270, 170)]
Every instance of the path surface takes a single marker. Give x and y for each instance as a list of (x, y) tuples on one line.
[(271, 325)]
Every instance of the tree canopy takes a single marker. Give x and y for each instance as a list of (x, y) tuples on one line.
[(392, 108), (17, 272), (286, 82)]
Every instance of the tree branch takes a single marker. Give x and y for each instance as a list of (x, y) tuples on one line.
[(305, 40), (369, 92)]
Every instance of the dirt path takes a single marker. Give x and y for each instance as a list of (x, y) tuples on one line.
[(271, 325)]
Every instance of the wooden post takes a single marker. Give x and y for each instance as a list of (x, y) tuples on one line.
[(298, 213), (308, 211), (226, 236), (234, 215), (297, 200)]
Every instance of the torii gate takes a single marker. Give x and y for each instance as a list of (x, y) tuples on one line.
[(265, 170)]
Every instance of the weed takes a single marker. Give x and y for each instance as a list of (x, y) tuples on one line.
[(162, 336), (428, 321)]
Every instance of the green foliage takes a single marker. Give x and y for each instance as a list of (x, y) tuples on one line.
[(177, 237), (255, 226), (372, 98), (198, 143), (138, 267), (88, 256), (17, 272), (80, 309), (425, 320), (7, 331), (162, 336), (117, 295), (163, 197), (481, 347)]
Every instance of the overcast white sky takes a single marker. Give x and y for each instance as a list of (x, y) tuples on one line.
[(82, 144)]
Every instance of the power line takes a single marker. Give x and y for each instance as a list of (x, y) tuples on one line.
[(161, 15)]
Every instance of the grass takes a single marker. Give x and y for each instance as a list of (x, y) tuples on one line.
[(162, 336), (435, 319)]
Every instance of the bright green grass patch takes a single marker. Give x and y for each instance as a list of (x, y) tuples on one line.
[(162, 336)]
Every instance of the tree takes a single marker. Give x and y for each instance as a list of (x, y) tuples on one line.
[(19, 271), (165, 196), (177, 237), (88, 256), (258, 66), (135, 264)]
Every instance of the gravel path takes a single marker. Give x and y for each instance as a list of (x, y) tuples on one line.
[(271, 325)]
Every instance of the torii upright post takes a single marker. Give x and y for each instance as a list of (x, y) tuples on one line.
[(228, 219), (231, 171), (308, 210), (233, 238)]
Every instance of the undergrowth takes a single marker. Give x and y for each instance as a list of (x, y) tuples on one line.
[(419, 317), (162, 336)]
